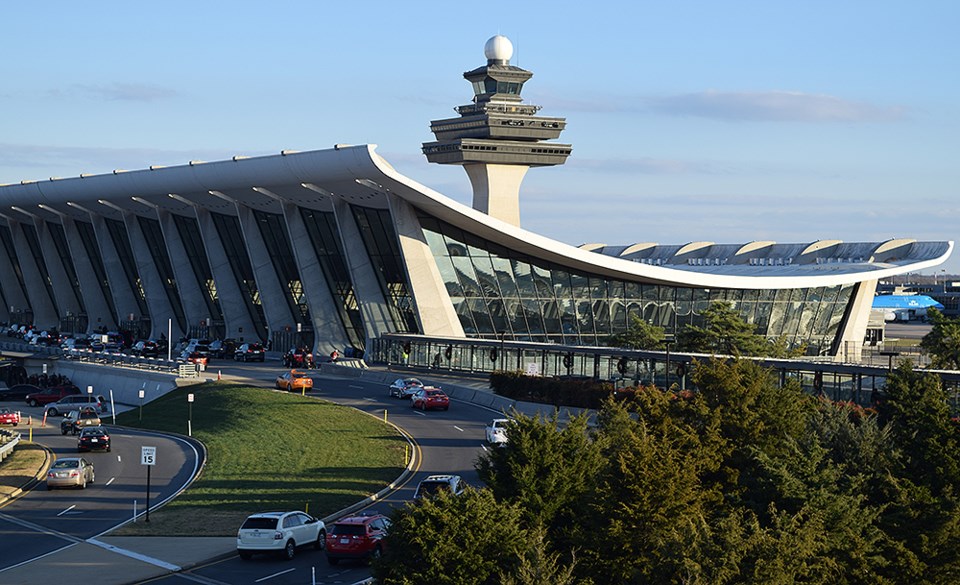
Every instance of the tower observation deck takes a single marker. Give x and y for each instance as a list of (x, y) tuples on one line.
[(497, 137)]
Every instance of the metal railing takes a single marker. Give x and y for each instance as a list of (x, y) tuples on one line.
[(8, 442)]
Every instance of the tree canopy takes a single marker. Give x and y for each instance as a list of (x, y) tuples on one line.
[(640, 335), (943, 341)]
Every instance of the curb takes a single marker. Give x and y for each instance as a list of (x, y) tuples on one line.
[(30, 483)]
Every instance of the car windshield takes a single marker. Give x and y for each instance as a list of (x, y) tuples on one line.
[(433, 487), (66, 464), (412, 382), (94, 432), (347, 529), (259, 523), (5, 411), (434, 393)]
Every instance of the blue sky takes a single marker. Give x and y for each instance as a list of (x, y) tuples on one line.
[(719, 121)]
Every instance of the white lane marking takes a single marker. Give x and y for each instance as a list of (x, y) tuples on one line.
[(119, 460), (459, 429), (420, 413), (67, 510), (111, 481), (274, 575), (353, 386), (134, 555), (370, 399)]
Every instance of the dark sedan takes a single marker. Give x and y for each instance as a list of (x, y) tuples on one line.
[(93, 439), (18, 392)]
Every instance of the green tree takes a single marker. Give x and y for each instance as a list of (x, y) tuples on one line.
[(726, 332), (539, 566), (468, 539), (546, 469), (943, 341), (640, 335)]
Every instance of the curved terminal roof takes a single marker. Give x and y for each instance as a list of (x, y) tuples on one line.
[(358, 175)]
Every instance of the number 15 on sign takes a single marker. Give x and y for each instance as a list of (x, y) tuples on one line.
[(148, 455)]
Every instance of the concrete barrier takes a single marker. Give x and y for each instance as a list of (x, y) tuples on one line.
[(125, 383)]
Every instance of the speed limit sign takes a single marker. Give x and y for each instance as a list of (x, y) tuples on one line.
[(148, 455)]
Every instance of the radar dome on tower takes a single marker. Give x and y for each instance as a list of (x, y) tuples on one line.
[(498, 49)]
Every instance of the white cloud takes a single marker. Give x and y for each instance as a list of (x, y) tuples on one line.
[(773, 106), (130, 92)]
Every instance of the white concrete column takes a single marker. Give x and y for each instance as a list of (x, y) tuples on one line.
[(854, 329), (124, 297), (496, 189), (63, 291), (434, 307), (100, 310)]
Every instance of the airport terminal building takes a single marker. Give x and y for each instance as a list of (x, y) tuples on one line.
[(335, 249)]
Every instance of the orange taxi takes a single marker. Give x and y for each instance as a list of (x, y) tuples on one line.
[(294, 380)]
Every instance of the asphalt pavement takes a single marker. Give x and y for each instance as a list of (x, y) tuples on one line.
[(109, 560)]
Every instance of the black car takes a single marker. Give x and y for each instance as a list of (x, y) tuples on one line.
[(147, 349), (93, 439), (249, 352), (18, 391)]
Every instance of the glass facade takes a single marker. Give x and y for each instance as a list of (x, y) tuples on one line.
[(376, 229), (189, 232), (273, 230), (325, 237), (118, 233), (7, 239), (228, 228), (161, 260), (59, 238), (33, 242), (497, 291), (89, 239)]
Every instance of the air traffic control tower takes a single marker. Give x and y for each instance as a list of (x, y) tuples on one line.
[(497, 137)]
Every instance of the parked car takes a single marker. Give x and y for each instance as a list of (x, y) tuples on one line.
[(52, 394), (93, 438), (75, 344), (434, 484), (280, 533), (357, 537), (221, 349), (249, 352), (9, 417), (294, 380), (429, 397), (70, 472), (194, 357), (496, 431), (17, 391), (404, 387), (145, 348), (74, 402)]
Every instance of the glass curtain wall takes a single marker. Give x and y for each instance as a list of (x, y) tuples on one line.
[(273, 230), (158, 251), (89, 239), (498, 291), (228, 228), (325, 237), (33, 242), (7, 237), (59, 238), (121, 241), (189, 232), (380, 239)]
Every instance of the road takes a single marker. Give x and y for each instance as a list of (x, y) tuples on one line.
[(42, 521), (449, 442)]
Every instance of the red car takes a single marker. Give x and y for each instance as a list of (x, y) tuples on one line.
[(9, 417), (429, 397), (48, 395), (357, 537)]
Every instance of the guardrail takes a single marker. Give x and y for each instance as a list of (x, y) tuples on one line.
[(8, 441), (103, 357)]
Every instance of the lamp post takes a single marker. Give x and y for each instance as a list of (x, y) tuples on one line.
[(666, 372)]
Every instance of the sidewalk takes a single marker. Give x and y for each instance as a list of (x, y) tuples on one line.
[(120, 560)]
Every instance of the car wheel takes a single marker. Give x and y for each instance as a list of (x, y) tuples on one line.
[(321, 542), (32, 403), (108, 449), (289, 550), (52, 412), (333, 560), (63, 431), (93, 478), (289, 387), (83, 484), (244, 555)]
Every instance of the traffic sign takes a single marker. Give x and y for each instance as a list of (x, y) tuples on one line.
[(148, 455)]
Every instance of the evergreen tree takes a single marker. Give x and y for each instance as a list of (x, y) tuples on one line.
[(465, 539), (943, 341), (640, 335)]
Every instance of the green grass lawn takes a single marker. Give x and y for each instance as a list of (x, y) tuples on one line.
[(268, 451)]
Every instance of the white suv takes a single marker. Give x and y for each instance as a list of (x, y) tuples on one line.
[(497, 431), (433, 484), (280, 533)]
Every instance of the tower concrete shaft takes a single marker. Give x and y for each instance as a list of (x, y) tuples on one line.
[(497, 137)]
